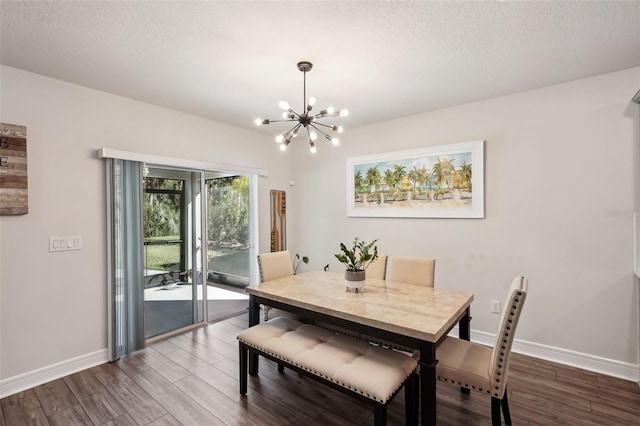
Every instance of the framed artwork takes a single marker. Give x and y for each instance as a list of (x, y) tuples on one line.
[(445, 181), (14, 197), (278, 220)]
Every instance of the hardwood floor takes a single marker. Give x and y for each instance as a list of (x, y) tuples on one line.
[(192, 379)]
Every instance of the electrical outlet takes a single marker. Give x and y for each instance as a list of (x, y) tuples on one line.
[(495, 306)]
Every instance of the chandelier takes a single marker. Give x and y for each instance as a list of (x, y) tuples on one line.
[(306, 120)]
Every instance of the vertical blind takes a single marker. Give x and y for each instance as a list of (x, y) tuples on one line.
[(126, 322)]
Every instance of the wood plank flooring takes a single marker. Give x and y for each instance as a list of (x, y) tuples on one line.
[(192, 379)]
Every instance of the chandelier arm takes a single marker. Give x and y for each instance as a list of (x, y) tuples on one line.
[(315, 127), (322, 124), (294, 130), (281, 121), (296, 114), (321, 115)]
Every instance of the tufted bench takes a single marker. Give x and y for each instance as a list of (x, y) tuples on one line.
[(370, 373)]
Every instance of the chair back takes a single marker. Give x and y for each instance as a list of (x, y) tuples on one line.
[(501, 355), (411, 270), (275, 265), (377, 268)]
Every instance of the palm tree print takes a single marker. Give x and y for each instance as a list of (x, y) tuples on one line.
[(399, 171), (440, 180), (415, 178), (443, 172), (358, 182), (465, 174), (372, 177), (389, 180)]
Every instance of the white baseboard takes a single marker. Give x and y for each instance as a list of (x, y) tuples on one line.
[(609, 367), (622, 370), (46, 374)]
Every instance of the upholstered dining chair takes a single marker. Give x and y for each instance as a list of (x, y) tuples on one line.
[(404, 269), (273, 266), (481, 368), (411, 270), (378, 268)]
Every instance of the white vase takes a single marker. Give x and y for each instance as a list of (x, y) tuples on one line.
[(355, 280)]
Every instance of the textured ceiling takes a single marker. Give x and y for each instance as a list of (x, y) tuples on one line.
[(233, 61)]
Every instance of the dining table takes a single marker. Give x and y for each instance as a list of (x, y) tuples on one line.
[(408, 315)]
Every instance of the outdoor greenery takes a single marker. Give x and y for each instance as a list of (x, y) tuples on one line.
[(227, 223), (162, 207), (161, 257), (228, 212)]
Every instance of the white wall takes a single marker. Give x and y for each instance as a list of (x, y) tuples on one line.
[(557, 161), (53, 305)]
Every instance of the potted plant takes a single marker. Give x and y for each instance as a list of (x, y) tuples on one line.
[(356, 259)]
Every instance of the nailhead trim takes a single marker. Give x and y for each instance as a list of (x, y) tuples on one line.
[(361, 392)]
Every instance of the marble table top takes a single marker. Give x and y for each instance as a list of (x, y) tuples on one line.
[(417, 311)]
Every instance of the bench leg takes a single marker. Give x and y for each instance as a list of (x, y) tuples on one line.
[(380, 415), (411, 400), (244, 361)]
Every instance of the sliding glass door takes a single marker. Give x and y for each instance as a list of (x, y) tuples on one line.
[(173, 292), (228, 244), (177, 237)]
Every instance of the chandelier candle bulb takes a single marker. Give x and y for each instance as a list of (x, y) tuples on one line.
[(311, 103)]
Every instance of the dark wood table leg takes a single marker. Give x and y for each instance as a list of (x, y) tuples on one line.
[(254, 319), (464, 332), (428, 364)]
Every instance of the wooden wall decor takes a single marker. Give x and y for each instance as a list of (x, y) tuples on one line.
[(278, 220), (13, 170)]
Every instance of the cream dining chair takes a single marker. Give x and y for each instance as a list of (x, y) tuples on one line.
[(403, 269), (411, 270), (481, 368), (273, 266), (377, 268)]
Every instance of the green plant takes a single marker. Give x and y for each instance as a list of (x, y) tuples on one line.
[(359, 256), (298, 261)]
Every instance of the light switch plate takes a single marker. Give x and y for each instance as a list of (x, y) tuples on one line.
[(72, 242)]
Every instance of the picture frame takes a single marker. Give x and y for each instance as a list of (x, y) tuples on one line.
[(278, 220), (444, 181)]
